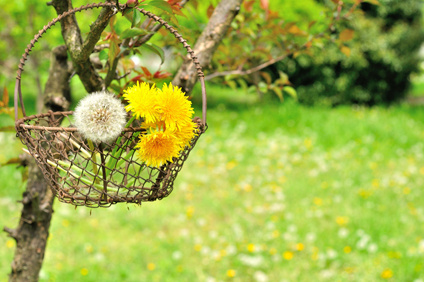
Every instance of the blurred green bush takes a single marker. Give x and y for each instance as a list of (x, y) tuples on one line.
[(384, 52)]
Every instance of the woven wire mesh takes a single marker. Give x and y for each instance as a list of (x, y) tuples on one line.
[(96, 175)]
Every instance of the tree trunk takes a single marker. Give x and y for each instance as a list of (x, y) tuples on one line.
[(33, 230), (207, 43)]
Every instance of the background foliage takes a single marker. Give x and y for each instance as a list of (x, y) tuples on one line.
[(384, 53)]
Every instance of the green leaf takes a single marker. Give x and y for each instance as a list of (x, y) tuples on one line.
[(129, 15), (136, 18), (232, 84), (291, 91), (161, 5), (284, 78), (243, 84), (131, 32), (155, 49), (266, 76), (278, 92), (263, 87), (103, 56)]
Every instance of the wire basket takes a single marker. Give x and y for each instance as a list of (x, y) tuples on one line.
[(83, 174)]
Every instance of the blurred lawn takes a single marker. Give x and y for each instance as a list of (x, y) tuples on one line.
[(275, 192)]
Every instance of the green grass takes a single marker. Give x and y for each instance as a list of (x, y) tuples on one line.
[(275, 192), (417, 89)]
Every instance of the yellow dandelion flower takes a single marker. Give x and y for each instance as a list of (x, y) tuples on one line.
[(158, 147), (197, 247), (174, 107), (251, 247), (142, 101), (186, 132), (151, 266), (10, 243), (272, 251), (84, 271), (347, 249), (231, 273), (300, 247), (154, 125), (288, 255), (342, 220), (387, 273)]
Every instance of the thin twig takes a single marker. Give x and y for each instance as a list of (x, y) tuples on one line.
[(252, 70)]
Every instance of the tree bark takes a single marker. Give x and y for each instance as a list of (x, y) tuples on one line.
[(80, 50), (207, 43), (33, 229)]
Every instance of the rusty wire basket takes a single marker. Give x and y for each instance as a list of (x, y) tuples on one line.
[(105, 174)]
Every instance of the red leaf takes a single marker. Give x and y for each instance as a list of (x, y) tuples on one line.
[(161, 75), (174, 2), (114, 49), (249, 5), (265, 5), (108, 35), (146, 71), (210, 10), (5, 97), (137, 78), (177, 10)]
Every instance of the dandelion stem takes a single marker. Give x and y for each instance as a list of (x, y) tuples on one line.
[(112, 160), (79, 177), (76, 145), (124, 159), (93, 158), (130, 121), (102, 157)]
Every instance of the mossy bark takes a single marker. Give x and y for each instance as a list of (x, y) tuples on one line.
[(79, 49)]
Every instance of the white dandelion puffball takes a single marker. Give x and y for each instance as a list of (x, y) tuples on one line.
[(100, 117)]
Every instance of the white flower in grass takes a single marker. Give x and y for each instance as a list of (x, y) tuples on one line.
[(100, 117)]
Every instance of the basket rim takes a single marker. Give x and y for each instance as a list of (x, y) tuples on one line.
[(20, 123)]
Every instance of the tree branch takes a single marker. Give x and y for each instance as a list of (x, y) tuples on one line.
[(207, 43), (111, 75), (80, 50), (246, 72), (96, 30)]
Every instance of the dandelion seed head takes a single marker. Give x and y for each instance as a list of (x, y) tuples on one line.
[(260, 276), (100, 117)]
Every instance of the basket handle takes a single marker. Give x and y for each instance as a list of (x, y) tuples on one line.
[(18, 92)]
